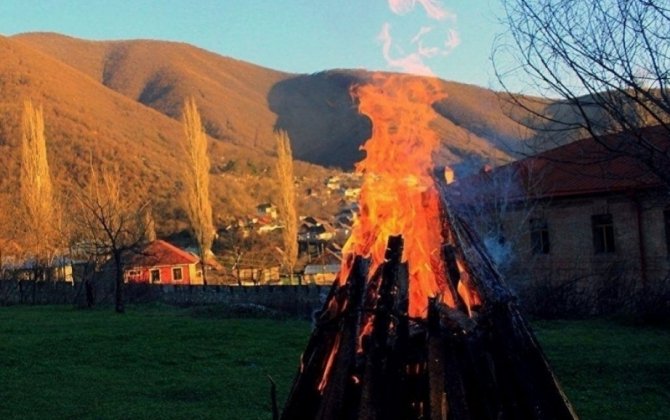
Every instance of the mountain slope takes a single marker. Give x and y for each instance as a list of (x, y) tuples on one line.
[(231, 94), (86, 120), (242, 103)]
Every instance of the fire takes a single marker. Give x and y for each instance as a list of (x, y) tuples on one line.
[(367, 358), (465, 289), (399, 195)]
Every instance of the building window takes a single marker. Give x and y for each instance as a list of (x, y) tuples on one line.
[(666, 217), (603, 233), (176, 274), (155, 275), (132, 275), (539, 236)]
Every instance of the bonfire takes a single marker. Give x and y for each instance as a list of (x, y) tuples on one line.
[(418, 324)]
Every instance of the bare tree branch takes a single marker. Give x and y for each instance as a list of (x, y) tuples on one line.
[(607, 62), (112, 223)]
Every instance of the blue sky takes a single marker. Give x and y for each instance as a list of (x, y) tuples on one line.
[(450, 38)]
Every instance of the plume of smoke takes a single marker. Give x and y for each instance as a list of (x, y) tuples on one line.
[(409, 63), (433, 8), (415, 61), (422, 49)]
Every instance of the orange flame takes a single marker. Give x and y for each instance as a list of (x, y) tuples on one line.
[(399, 196), (466, 291)]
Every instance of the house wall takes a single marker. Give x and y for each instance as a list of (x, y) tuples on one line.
[(656, 250), (194, 275), (257, 275), (324, 279), (189, 274), (572, 256)]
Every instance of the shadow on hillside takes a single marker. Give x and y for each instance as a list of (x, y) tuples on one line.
[(321, 118)]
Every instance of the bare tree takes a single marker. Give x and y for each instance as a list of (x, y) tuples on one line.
[(608, 63), (196, 182), (287, 205), (248, 249), (39, 218), (112, 223)]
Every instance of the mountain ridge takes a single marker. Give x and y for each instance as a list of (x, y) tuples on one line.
[(120, 102), (160, 73)]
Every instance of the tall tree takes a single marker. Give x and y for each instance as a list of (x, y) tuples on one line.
[(39, 215), (113, 223), (287, 205), (607, 61), (196, 182), (149, 225)]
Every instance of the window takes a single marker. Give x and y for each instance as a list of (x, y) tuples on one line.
[(666, 218), (155, 275), (539, 236), (176, 274), (603, 233), (132, 275)]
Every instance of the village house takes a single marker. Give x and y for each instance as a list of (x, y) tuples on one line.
[(255, 276), (321, 274), (59, 269), (579, 214), (352, 193), (267, 210), (160, 262), (333, 183), (267, 228), (314, 235), (313, 229), (323, 269)]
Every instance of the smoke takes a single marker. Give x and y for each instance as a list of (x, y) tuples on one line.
[(409, 63), (429, 41), (434, 9)]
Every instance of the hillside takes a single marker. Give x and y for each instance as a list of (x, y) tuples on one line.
[(231, 94), (242, 103), (119, 103), (84, 119)]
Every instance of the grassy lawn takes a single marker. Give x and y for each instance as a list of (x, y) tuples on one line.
[(610, 370), (156, 362), (163, 362)]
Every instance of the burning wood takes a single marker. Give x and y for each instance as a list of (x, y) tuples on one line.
[(367, 358), (419, 324)]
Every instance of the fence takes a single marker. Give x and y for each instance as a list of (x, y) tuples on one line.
[(296, 300)]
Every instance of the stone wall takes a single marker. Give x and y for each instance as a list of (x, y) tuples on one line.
[(300, 301)]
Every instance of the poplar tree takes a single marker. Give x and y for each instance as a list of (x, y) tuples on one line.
[(196, 182), (287, 202), (39, 212)]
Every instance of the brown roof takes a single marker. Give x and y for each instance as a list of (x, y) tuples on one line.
[(583, 167), (159, 253)]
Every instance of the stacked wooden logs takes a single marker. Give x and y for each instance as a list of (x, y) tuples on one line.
[(367, 359)]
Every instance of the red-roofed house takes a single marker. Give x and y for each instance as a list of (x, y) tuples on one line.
[(163, 263), (580, 213)]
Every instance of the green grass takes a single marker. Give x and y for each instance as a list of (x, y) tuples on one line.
[(164, 362), (610, 370), (159, 362)]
